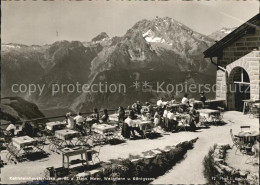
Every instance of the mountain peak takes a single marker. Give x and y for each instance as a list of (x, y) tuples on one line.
[(218, 35), (100, 37)]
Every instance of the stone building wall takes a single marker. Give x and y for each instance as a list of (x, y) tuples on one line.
[(242, 53), (240, 48), (251, 64)]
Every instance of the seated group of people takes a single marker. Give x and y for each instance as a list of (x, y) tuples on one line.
[(166, 117), (162, 117), (27, 128), (128, 116), (79, 121)]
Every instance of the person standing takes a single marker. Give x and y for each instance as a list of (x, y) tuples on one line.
[(95, 116), (159, 103), (185, 102), (137, 107), (127, 127), (79, 119), (203, 98), (131, 112), (194, 117), (104, 117), (121, 114)]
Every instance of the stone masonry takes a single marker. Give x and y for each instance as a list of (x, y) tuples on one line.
[(243, 53)]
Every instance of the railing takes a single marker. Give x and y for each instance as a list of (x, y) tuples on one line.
[(63, 116), (55, 117)]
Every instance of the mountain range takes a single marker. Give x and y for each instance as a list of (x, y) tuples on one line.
[(218, 35), (158, 50)]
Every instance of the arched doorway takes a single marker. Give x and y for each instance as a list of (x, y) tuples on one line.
[(239, 88)]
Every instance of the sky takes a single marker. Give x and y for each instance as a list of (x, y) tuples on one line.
[(37, 22)]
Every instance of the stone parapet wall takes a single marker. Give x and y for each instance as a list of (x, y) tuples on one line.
[(219, 172)]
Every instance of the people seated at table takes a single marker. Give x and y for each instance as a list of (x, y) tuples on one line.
[(137, 107), (171, 123), (70, 121), (194, 117), (79, 119), (203, 98), (185, 102), (121, 114), (104, 118)]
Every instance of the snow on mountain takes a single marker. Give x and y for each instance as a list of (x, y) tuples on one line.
[(218, 35)]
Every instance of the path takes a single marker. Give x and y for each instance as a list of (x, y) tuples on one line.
[(190, 170)]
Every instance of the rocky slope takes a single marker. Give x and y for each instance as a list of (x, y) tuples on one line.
[(16, 109)]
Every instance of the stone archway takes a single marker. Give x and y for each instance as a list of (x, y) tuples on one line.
[(238, 88)]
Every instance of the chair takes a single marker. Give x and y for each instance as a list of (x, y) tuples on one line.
[(83, 140), (254, 158), (13, 152), (96, 152), (148, 129), (253, 112), (217, 118), (55, 143), (238, 144), (183, 122)]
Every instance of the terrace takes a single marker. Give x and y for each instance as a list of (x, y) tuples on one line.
[(207, 137)]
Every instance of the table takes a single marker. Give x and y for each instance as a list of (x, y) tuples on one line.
[(257, 105), (208, 113), (214, 104), (22, 142), (142, 124), (248, 103), (248, 136), (175, 106), (56, 125), (198, 103), (66, 134), (103, 128), (183, 120), (69, 152), (113, 117)]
